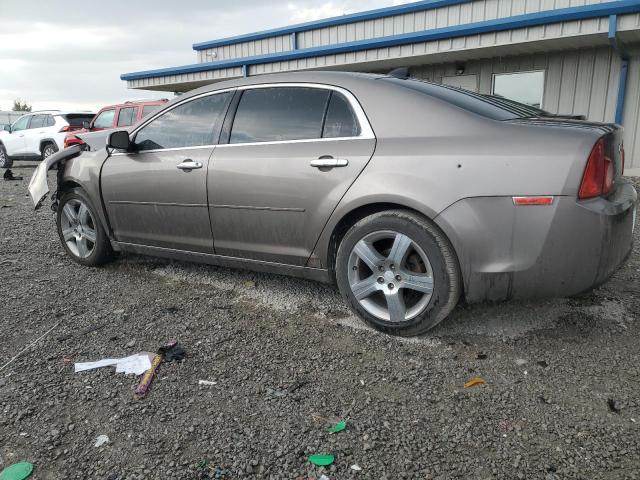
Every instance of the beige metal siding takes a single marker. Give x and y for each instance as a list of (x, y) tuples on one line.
[(281, 43)]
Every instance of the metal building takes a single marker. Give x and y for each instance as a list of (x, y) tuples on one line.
[(579, 57)]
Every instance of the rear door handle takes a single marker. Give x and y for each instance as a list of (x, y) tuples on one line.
[(329, 162), (188, 165)]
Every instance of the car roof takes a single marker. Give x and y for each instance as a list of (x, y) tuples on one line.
[(135, 103)]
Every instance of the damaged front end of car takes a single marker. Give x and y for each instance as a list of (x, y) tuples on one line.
[(38, 185)]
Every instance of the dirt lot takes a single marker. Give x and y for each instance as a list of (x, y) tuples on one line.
[(561, 399)]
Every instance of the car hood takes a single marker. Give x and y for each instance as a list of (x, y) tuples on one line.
[(95, 140)]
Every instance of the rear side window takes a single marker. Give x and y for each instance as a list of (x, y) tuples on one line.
[(279, 113), (49, 121), (127, 116), (105, 119), (149, 109), (341, 121), (37, 121), (191, 124)]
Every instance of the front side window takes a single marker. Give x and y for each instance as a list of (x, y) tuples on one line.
[(37, 121), (341, 121), (127, 116), (21, 124), (105, 119), (523, 87), (191, 124), (279, 113)]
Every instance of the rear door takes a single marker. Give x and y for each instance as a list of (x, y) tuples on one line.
[(34, 134), (292, 152), (157, 195)]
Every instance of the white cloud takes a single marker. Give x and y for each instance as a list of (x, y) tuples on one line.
[(307, 14)]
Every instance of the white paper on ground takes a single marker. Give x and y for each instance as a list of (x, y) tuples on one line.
[(136, 364)]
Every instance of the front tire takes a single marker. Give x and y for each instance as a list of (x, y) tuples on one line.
[(5, 161), (398, 272), (80, 230)]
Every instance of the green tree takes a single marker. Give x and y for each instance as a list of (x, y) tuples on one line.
[(20, 106)]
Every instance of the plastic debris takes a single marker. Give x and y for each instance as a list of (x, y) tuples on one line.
[(321, 460), (323, 477), (520, 362), (338, 427), (474, 382), (136, 364), (206, 382), (101, 440), (356, 468), (8, 175), (17, 471), (481, 356)]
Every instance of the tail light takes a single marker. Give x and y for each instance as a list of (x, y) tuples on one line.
[(598, 175)]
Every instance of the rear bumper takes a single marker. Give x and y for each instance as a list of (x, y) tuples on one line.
[(508, 251)]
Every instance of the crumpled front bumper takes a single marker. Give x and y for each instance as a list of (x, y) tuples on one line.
[(38, 185)]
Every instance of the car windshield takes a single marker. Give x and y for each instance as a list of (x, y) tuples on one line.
[(76, 119), (491, 106)]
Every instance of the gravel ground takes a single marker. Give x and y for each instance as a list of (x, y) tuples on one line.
[(560, 400)]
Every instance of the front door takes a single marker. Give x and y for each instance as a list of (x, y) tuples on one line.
[(293, 152), (14, 142), (157, 195)]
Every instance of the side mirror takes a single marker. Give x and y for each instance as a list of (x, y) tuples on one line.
[(86, 125), (7, 128), (119, 140)]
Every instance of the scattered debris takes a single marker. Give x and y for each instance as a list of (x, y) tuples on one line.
[(542, 363), (29, 346), (17, 471), (356, 468), (8, 175), (520, 362), (168, 353), (338, 427), (481, 356), (206, 382), (249, 284), (613, 405), (323, 477), (321, 460), (474, 382), (67, 359), (136, 364), (101, 440), (206, 470)]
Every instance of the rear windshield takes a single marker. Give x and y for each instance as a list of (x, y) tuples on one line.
[(490, 106), (76, 119)]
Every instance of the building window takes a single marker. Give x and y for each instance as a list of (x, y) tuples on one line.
[(523, 87)]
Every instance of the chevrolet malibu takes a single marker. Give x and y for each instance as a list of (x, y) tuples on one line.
[(409, 195)]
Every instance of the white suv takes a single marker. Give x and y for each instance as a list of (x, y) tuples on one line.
[(37, 135)]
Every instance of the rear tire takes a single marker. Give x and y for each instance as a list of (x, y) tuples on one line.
[(399, 272), (47, 149), (5, 161), (80, 230)]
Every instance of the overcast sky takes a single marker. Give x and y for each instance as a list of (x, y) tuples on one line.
[(71, 56)]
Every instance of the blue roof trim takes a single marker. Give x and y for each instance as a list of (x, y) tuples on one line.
[(519, 21), (329, 22)]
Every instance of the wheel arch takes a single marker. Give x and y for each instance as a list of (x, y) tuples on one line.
[(44, 141), (354, 215)]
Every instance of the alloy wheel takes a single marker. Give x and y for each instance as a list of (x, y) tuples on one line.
[(48, 151), (390, 276), (78, 228)]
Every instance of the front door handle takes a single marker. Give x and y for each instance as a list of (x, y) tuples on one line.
[(329, 162), (188, 165)]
